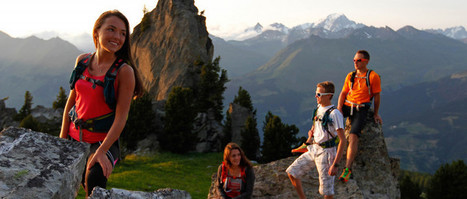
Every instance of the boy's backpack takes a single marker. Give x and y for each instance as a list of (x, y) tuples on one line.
[(325, 121)]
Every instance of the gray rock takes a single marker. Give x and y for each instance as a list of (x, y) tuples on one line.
[(37, 165), (239, 114), (374, 173), (167, 43), (6, 115), (209, 133), (167, 193), (147, 146)]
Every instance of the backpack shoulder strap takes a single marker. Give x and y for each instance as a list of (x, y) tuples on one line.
[(113, 70), (243, 174), (352, 79), (109, 88), (223, 172), (314, 115), (327, 120), (79, 69), (368, 81)]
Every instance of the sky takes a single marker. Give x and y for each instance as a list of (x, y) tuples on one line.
[(64, 18)]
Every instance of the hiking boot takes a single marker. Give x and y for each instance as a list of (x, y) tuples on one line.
[(345, 175), (300, 149)]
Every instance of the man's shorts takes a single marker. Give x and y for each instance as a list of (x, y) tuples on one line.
[(320, 158), (357, 119)]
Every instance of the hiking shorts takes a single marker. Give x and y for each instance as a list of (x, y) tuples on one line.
[(320, 158), (357, 119)]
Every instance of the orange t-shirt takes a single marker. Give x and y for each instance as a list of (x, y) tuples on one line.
[(359, 93)]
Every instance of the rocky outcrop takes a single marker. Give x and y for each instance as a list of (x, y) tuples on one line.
[(37, 165), (374, 173), (239, 114), (209, 132), (167, 43), (100, 193), (47, 115), (6, 115)]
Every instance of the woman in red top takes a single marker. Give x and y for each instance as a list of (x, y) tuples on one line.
[(112, 40), (235, 175)]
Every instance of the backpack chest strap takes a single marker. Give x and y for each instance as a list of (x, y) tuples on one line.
[(94, 82)]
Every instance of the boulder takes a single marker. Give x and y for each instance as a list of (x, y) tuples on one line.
[(209, 133), (6, 115), (167, 193), (37, 165), (239, 114), (374, 173), (47, 115), (166, 45)]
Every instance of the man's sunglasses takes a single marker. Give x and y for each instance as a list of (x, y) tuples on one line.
[(359, 60), (323, 94)]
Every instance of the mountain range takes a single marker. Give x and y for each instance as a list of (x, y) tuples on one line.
[(422, 72), (258, 44), (404, 58), (35, 65)]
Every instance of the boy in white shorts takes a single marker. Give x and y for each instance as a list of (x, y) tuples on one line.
[(326, 133)]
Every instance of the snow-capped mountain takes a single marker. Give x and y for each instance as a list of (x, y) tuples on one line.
[(457, 32), (333, 26), (258, 28), (337, 22)]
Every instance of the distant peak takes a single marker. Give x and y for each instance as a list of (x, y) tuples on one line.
[(336, 22), (336, 16), (408, 29), (258, 28), (279, 27)]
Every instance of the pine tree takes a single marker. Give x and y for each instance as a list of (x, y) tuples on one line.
[(60, 102), (26, 108), (243, 98), (250, 141), (278, 138), (211, 89), (250, 138), (227, 129), (409, 190), (449, 181), (30, 123), (178, 136), (140, 122)]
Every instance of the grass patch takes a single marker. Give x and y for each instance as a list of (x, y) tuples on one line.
[(190, 172)]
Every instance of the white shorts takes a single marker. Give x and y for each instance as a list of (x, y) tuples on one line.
[(320, 158)]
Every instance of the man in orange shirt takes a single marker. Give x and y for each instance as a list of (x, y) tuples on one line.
[(360, 87)]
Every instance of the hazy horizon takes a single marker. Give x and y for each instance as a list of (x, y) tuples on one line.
[(50, 18)]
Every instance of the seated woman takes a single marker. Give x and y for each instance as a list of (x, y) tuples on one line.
[(235, 175)]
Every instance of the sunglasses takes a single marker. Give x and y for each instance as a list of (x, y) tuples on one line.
[(323, 94), (359, 60)]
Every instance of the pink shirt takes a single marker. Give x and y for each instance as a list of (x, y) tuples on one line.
[(90, 103)]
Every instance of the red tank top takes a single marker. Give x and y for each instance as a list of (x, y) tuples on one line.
[(90, 103)]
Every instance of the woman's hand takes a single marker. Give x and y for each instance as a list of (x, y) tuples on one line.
[(101, 158)]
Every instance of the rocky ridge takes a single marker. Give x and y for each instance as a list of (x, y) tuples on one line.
[(166, 45)]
